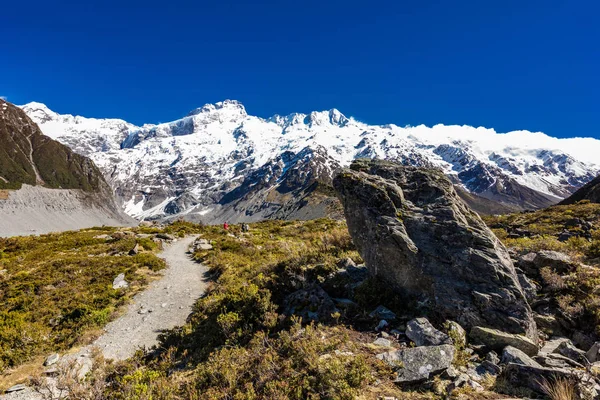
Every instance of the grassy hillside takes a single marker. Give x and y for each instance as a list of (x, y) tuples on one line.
[(56, 289), (25, 150)]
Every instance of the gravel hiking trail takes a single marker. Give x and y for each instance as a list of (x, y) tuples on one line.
[(165, 304)]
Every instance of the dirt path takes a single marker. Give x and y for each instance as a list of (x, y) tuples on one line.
[(165, 304)]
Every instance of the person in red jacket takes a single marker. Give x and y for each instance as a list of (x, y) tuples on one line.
[(226, 226)]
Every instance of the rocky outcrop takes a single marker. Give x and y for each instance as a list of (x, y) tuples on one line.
[(414, 232)]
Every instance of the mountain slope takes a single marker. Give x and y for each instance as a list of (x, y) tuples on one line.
[(590, 191), (46, 186), (220, 163)]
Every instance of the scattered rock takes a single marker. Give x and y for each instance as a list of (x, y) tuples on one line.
[(593, 354), (311, 303), (568, 349), (464, 380), (513, 355), (103, 237), (203, 247), (383, 313), (498, 340), (146, 224), (135, 250), (492, 357), (561, 263), (415, 233), (419, 363), (532, 378), (382, 325), (51, 359), (555, 360), (582, 340), (16, 388), (383, 342), (420, 331), (346, 263), (120, 282), (165, 236)]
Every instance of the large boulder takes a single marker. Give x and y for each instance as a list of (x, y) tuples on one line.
[(414, 232)]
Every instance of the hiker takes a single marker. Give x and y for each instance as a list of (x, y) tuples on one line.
[(226, 226)]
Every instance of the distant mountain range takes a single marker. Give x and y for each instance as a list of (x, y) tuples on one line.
[(219, 163)]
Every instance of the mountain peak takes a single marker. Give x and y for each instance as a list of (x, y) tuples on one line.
[(230, 106), (39, 112)]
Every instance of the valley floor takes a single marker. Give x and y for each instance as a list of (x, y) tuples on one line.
[(165, 304)]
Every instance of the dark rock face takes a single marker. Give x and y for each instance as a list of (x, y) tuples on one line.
[(414, 231)]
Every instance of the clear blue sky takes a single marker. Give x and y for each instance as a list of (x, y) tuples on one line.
[(504, 64)]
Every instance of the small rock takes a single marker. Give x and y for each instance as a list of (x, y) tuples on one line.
[(516, 356), (419, 363), (492, 357), (593, 354), (488, 367), (382, 325), (551, 345), (135, 250), (203, 246), (383, 342), (498, 340), (16, 388), (119, 282), (555, 360), (163, 305), (568, 349), (51, 359), (346, 263), (532, 378), (382, 312), (142, 311), (420, 331), (582, 340)]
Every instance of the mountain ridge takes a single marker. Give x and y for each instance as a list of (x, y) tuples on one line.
[(187, 166), (46, 186)]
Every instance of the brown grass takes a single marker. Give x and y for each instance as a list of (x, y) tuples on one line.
[(3, 194), (559, 389)]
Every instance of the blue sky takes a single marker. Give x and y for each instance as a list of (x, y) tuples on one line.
[(507, 65)]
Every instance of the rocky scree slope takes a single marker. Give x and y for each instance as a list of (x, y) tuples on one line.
[(219, 163), (414, 232), (45, 184)]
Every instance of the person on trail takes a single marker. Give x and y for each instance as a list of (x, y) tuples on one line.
[(226, 226)]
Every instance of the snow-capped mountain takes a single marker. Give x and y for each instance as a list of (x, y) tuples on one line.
[(219, 163)]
